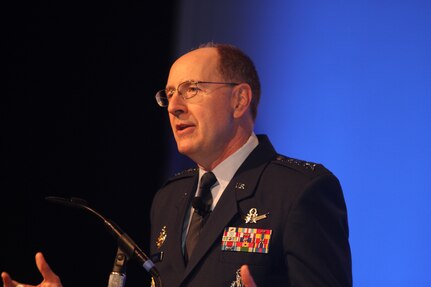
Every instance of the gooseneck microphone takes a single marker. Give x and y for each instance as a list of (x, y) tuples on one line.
[(125, 243), (117, 278)]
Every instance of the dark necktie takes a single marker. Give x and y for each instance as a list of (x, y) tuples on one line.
[(202, 205)]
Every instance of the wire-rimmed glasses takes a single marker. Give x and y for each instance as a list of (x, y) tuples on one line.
[(186, 90)]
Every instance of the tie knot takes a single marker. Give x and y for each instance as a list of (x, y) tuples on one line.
[(202, 203), (207, 180)]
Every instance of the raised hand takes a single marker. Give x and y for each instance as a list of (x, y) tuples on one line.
[(50, 279)]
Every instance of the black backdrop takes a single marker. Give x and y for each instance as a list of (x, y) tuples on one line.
[(78, 118)]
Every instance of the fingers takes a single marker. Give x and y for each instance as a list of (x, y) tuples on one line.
[(48, 275), (42, 265), (246, 277), (7, 280), (50, 279)]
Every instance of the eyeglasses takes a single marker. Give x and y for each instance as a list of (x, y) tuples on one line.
[(186, 90)]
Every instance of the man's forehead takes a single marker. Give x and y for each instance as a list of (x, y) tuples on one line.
[(202, 52), (199, 56), (196, 65)]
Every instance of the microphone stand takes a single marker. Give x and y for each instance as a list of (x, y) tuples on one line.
[(127, 248), (117, 278)]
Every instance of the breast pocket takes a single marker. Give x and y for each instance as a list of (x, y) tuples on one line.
[(240, 257)]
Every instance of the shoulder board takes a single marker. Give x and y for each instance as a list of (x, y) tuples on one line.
[(182, 174), (297, 164), (186, 172)]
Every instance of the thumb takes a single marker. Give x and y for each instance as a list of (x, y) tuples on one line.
[(7, 280), (46, 271)]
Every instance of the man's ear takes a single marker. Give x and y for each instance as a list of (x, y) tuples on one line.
[(241, 99)]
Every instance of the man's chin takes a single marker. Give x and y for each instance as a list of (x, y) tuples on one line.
[(184, 149)]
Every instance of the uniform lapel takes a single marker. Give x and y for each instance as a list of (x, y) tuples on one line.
[(222, 214), (180, 214)]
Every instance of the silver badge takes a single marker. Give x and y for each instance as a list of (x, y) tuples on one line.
[(240, 185), (253, 217)]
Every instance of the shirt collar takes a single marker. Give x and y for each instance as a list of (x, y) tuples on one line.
[(227, 168)]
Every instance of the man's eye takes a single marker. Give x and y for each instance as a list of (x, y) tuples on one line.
[(169, 93), (192, 89)]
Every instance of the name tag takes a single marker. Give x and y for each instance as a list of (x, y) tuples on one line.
[(240, 239)]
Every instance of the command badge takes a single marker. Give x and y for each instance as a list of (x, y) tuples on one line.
[(162, 237), (253, 217)]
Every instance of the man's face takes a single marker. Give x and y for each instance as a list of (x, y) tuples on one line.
[(202, 125)]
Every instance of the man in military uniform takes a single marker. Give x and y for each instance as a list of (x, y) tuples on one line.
[(245, 215), (285, 219)]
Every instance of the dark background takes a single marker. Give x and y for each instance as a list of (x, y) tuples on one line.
[(79, 119)]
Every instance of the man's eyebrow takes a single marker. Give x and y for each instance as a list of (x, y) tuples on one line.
[(172, 87), (169, 87)]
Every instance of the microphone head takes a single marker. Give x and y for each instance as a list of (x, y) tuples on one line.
[(74, 201)]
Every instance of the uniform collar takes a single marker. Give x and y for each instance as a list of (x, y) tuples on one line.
[(225, 171)]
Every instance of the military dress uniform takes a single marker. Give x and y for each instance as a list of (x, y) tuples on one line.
[(285, 218)]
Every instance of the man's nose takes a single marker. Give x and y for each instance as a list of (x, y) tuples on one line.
[(176, 104)]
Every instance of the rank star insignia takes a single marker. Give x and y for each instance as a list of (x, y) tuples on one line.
[(253, 217), (162, 237)]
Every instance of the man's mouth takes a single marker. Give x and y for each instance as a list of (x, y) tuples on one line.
[(182, 127)]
